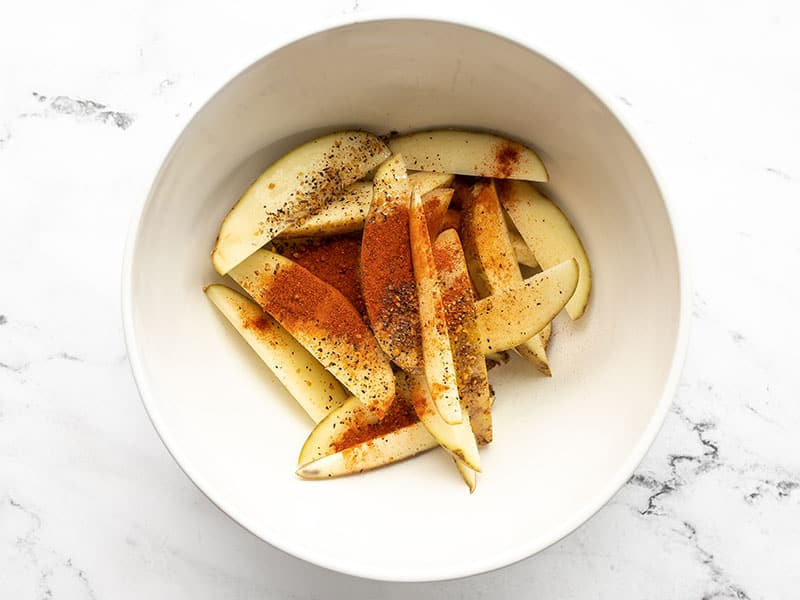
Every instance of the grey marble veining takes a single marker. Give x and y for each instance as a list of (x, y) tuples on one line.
[(93, 507)]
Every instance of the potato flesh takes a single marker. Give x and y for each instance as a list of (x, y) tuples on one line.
[(468, 153), (324, 322), (459, 303), (492, 258), (348, 212), (503, 319), (549, 234), (345, 214), (297, 185), (439, 368)]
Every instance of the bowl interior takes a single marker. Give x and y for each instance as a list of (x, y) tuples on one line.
[(562, 445)]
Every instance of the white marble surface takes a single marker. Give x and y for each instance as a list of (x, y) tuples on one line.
[(91, 504)]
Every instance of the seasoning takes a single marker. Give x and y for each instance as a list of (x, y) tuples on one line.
[(327, 325), (459, 305), (390, 292), (506, 159), (335, 260), (296, 298), (400, 414), (260, 323)]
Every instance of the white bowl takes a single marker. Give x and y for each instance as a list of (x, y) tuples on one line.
[(562, 446)]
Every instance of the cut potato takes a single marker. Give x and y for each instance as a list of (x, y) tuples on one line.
[(469, 476), (314, 388), (324, 322), (491, 257), (329, 430), (549, 234), (506, 319), (357, 445), (345, 214), (349, 425), (457, 438), (297, 185), (382, 450), (468, 153), (459, 305), (440, 373), (387, 271)]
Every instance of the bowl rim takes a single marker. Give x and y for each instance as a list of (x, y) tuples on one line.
[(481, 564)]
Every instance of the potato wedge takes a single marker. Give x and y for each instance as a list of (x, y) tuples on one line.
[(491, 257), (324, 322), (347, 213), (297, 185), (459, 305), (315, 389), (344, 214), (344, 443), (357, 445), (382, 450), (468, 153), (469, 476), (387, 271), (440, 373), (458, 438), (348, 425), (549, 234), (507, 318)]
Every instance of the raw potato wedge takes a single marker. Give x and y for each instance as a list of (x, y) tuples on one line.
[(459, 305), (323, 438), (314, 388), (324, 322), (491, 257), (440, 373), (468, 153), (345, 214), (348, 425), (469, 476), (549, 234), (387, 271), (297, 185), (345, 442), (457, 439), (348, 212), (506, 319), (379, 451)]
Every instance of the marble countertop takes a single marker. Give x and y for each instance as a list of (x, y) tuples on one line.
[(91, 504)]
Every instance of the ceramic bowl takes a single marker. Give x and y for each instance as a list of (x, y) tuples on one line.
[(563, 445)]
